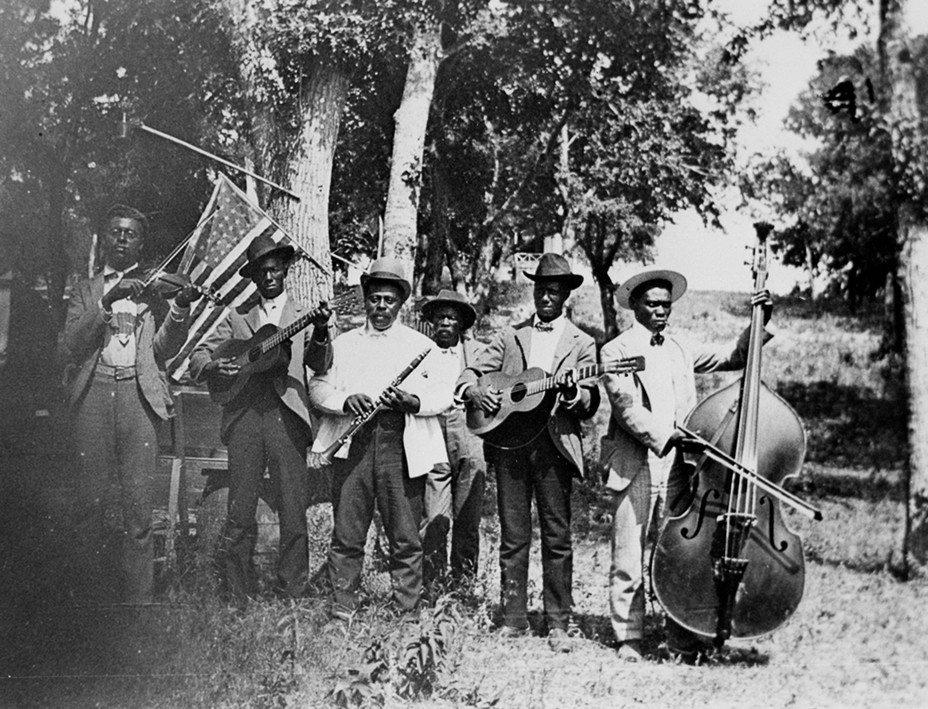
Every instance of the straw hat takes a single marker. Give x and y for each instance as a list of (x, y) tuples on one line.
[(676, 280)]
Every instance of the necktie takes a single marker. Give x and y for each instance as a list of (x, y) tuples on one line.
[(657, 339), (544, 326)]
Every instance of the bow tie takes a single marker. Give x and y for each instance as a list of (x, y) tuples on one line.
[(110, 276), (657, 339), (544, 326)]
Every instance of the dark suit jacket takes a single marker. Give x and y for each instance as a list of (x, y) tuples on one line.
[(509, 353), (241, 324), (84, 333)]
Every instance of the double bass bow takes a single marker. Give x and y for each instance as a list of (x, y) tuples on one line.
[(727, 565)]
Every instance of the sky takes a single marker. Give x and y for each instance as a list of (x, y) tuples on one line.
[(714, 259)]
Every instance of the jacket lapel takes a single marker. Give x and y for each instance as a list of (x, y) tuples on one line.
[(523, 335), (565, 345)]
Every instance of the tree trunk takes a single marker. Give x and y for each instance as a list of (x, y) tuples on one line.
[(904, 118), (411, 120), (607, 300), (439, 238), (309, 174)]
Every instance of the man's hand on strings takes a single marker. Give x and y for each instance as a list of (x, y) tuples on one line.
[(567, 385), (763, 297), (223, 367), (187, 295), (485, 398)]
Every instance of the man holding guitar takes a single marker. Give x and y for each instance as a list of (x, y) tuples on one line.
[(544, 466), (266, 422)]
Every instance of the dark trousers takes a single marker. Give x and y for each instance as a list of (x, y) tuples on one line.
[(454, 492), (540, 471), (375, 472), (117, 452), (268, 435)]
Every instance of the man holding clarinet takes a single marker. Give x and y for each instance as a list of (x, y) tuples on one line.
[(387, 459)]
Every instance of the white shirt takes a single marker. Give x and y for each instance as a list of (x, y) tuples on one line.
[(544, 343), (119, 340), (119, 346), (366, 361), (271, 310)]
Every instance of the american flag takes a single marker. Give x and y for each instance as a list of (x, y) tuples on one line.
[(213, 257)]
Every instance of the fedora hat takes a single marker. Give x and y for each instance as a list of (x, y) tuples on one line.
[(455, 300), (260, 247), (389, 270), (554, 267), (676, 280)]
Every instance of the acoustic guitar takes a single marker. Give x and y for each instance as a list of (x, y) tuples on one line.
[(260, 354), (527, 401)]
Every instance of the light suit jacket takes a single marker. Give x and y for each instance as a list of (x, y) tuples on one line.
[(84, 333), (633, 430), (509, 353), (241, 324)]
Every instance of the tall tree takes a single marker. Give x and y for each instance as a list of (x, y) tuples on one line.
[(65, 81)]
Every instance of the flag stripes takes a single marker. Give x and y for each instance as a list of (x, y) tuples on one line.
[(213, 258)]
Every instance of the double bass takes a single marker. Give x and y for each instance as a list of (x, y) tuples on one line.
[(728, 566)]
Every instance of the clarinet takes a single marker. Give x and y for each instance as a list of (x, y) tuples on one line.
[(319, 460)]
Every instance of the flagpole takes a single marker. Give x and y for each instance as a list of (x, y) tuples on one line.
[(123, 132)]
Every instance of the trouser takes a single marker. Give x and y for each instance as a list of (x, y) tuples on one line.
[(454, 492), (117, 450), (639, 511), (540, 471), (375, 472), (267, 435)]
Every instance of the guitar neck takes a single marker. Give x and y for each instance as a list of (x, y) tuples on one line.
[(550, 382), (285, 333)]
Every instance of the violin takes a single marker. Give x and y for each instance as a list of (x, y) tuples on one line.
[(727, 565), (168, 285)]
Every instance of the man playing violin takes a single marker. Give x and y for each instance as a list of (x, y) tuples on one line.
[(387, 460), (267, 425), (117, 338), (638, 450), (544, 469)]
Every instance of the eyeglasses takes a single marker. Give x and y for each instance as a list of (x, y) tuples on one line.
[(116, 232)]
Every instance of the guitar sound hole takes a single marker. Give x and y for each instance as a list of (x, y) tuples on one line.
[(254, 354), (518, 392)]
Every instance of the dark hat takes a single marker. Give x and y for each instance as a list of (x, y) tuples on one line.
[(554, 267), (260, 247), (676, 280), (389, 270), (455, 300)]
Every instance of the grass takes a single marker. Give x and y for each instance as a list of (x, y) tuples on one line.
[(857, 638)]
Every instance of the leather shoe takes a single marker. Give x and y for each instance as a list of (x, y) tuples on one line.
[(560, 641), (630, 651), (510, 631)]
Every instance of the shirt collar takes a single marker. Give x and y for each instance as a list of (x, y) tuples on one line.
[(555, 324), (370, 331), (644, 334), (109, 270), (274, 303)]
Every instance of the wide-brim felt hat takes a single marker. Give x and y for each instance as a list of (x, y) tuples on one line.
[(676, 280), (554, 267), (453, 299), (259, 248), (390, 270)]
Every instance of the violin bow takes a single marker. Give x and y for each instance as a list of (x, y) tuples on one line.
[(723, 458)]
